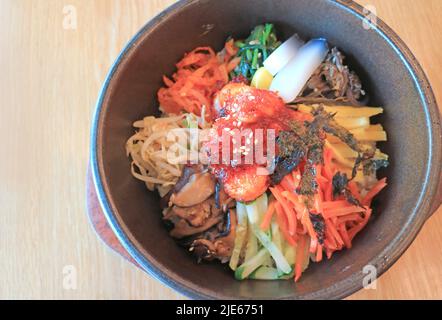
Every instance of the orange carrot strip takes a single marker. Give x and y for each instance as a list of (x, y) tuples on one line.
[(351, 217), (344, 234), (289, 213), (374, 191), (302, 212), (329, 225), (317, 203), (334, 204), (265, 224), (299, 258), (354, 230), (319, 253), (288, 184), (328, 192), (313, 245), (341, 211), (293, 198), (329, 241), (329, 253), (327, 168), (281, 219), (353, 187)]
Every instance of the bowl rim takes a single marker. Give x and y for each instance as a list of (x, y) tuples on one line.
[(383, 261)]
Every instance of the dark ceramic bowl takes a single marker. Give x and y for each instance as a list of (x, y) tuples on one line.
[(390, 73)]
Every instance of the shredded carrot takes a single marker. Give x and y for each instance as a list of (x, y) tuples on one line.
[(288, 212), (354, 217), (265, 224), (331, 226), (352, 186), (319, 253), (344, 234), (354, 230), (374, 191), (281, 219), (313, 245), (299, 258), (341, 211), (328, 165), (334, 204), (288, 183), (200, 74)]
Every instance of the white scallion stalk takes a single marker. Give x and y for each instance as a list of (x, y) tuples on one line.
[(283, 54), (290, 81)]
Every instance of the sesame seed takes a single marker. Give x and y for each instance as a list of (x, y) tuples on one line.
[(248, 141)]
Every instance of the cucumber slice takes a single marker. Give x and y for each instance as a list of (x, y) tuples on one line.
[(244, 270), (276, 254), (269, 273), (261, 205), (241, 233), (265, 273), (251, 246), (276, 235), (254, 220)]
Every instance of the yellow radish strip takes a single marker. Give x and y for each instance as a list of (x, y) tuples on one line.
[(366, 135), (353, 123)]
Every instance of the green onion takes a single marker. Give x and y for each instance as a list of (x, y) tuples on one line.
[(261, 42)]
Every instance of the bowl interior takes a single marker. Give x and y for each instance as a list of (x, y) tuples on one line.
[(131, 95)]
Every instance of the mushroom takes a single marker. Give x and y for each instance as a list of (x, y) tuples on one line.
[(221, 248), (199, 187), (195, 215), (183, 229)]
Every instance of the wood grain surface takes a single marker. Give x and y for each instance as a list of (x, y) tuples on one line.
[(49, 81)]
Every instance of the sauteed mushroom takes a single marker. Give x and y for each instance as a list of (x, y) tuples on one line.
[(195, 186)]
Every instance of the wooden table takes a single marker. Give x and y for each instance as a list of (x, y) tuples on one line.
[(49, 81)]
